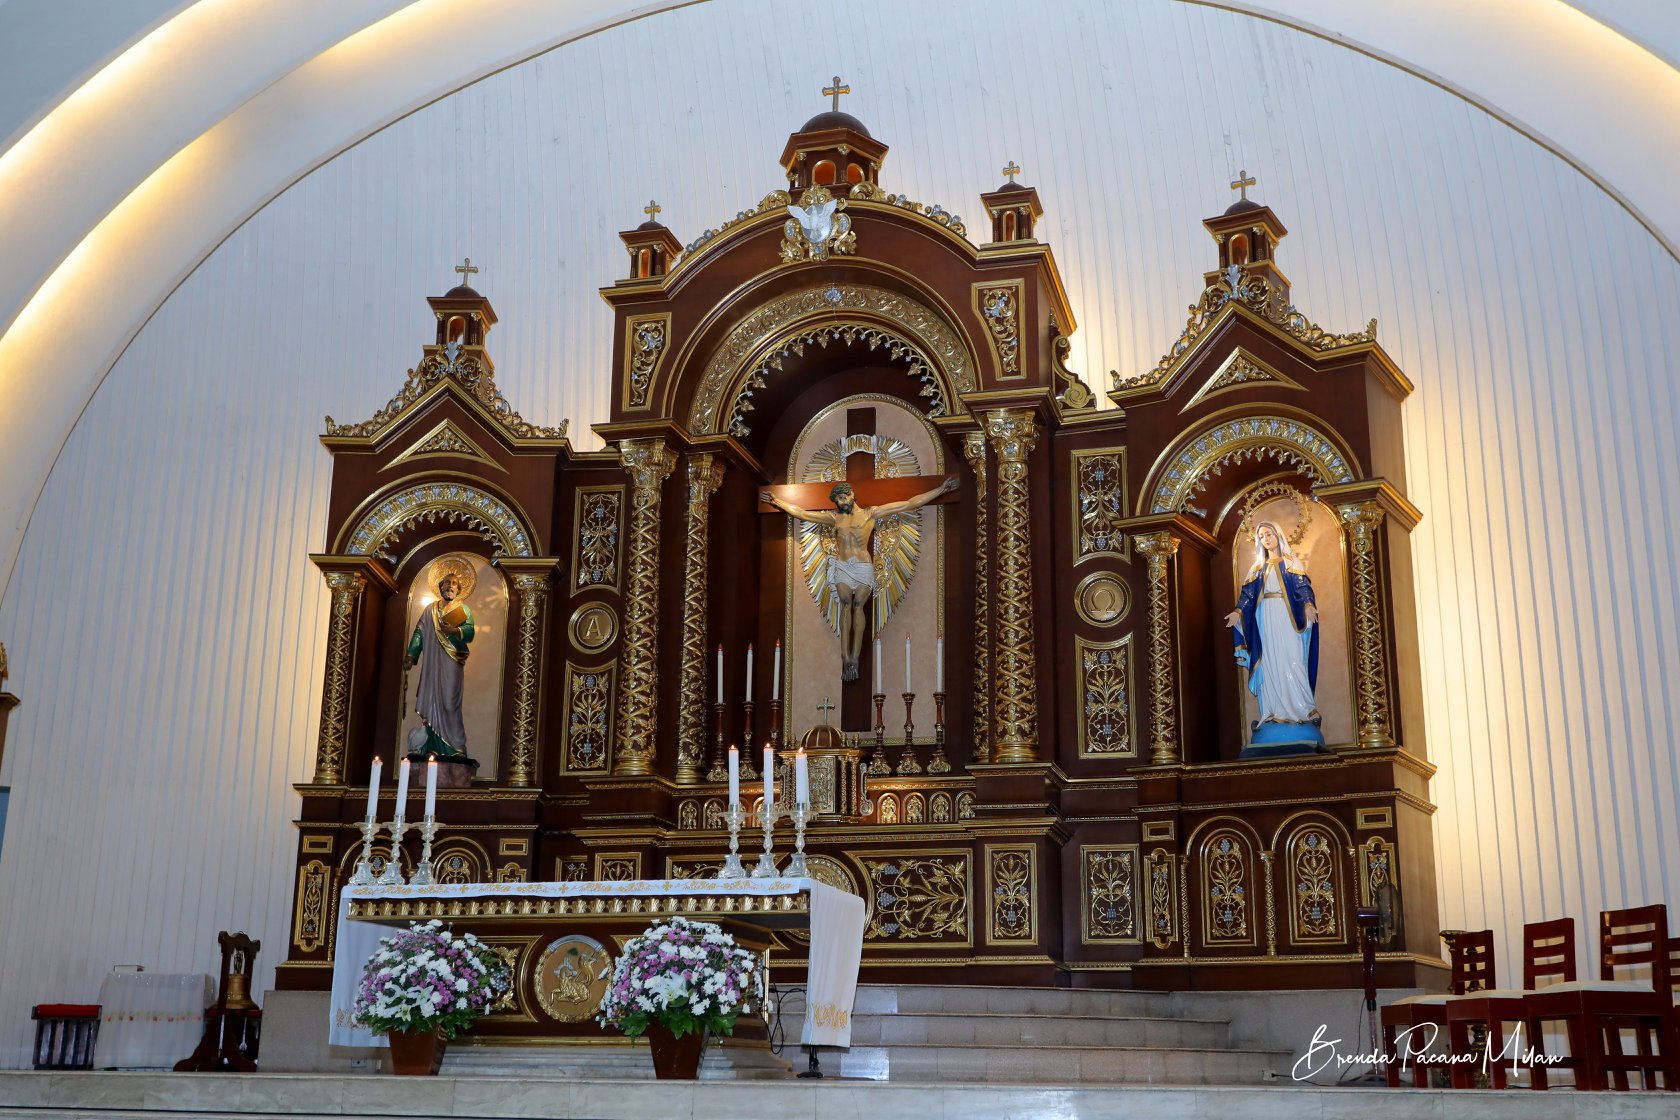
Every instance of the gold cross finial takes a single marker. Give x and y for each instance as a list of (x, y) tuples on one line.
[(466, 269), (1243, 181), (652, 208), (835, 91), (1011, 169), (825, 707)]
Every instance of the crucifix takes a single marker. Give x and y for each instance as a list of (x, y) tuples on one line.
[(1242, 182), (466, 269), (825, 707), (835, 91), (854, 507), (652, 210), (1011, 169)]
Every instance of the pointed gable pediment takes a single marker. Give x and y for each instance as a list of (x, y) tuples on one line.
[(446, 440), (1240, 370)]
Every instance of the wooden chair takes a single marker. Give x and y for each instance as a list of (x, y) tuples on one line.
[(1402, 1020), (1548, 958), (1596, 1012)]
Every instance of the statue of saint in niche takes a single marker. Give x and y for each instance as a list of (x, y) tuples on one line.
[(439, 645), (851, 570), (1275, 628)]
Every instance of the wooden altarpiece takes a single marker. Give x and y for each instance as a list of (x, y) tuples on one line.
[(1084, 818)]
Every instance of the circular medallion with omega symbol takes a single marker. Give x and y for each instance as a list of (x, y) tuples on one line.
[(1101, 599), (571, 977), (594, 626)]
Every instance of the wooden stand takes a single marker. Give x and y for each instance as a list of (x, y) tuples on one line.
[(233, 1027)]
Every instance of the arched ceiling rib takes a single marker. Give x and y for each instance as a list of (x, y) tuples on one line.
[(148, 173)]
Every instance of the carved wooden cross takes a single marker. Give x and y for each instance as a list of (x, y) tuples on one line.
[(1011, 169), (825, 707), (835, 91), (466, 270), (652, 208), (1242, 182)]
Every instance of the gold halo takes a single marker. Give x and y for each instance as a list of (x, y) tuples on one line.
[(1266, 492), (457, 564)]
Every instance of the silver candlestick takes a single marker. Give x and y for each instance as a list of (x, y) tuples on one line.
[(765, 868), (732, 867), (423, 873), (364, 866), (796, 864), (393, 876)]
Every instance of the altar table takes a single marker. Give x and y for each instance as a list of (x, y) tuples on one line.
[(835, 920), (150, 1019)]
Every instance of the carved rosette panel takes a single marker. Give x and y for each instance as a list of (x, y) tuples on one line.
[(1013, 436), (974, 450), (588, 718), (649, 463), (999, 307), (1159, 549), (1313, 875), (1163, 899), (309, 920), (574, 869), (531, 591), (1361, 521), (705, 475), (645, 339), (1109, 902), (1105, 698), (922, 897), (1227, 881), (600, 510), (1099, 504), (346, 588), (1010, 881)]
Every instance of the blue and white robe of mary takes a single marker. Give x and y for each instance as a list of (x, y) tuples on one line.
[(1277, 644)]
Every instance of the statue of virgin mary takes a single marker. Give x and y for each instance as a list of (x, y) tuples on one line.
[(1275, 628)]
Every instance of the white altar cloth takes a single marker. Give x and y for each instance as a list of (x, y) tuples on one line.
[(150, 1020), (836, 941)]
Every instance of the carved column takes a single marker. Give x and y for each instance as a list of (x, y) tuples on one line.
[(1159, 549), (1013, 435), (649, 463), (1361, 520), (705, 475), (974, 450), (530, 580), (346, 588)]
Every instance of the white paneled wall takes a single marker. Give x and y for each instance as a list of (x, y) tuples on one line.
[(165, 626)]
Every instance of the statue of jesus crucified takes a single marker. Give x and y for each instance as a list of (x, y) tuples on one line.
[(851, 570)]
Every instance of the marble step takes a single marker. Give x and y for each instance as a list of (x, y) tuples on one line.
[(955, 1028), (931, 999), (726, 1062), (1060, 1065)]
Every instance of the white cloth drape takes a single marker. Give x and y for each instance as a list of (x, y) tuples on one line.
[(150, 1020)]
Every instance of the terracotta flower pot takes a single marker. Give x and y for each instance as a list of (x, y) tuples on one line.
[(417, 1053), (675, 1059)]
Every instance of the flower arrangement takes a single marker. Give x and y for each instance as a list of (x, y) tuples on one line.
[(683, 975), (426, 978)]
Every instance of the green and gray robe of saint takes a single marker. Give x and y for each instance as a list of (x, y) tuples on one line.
[(442, 658)]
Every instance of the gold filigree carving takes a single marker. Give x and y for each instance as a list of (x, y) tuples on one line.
[(1009, 887), (933, 347), (645, 338), (1266, 493), (511, 873), (346, 588), (1110, 899), (1312, 868), (1235, 286), (453, 866), (1105, 692), (1228, 909), (649, 463), (872, 192), (845, 333), (974, 450), (530, 589), (998, 306), (444, 441), (1075, 395), (688, 816), (919, 898), (1370, 662), (430, 502), (618, 867), (939, 808), (1291, 442), (574, 869), (886, 809), (1013, 436), (309, 923), (1159, 549), (1377, 884), (600, 512), (1163, 909), (816, 227), (1099, 503), (915, 809), (965, 806), (1237, 371), (705, 475), (587, 718), (473, 374), (774, 202)]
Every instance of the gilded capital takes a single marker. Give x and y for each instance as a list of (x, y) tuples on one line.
[(648, 461), (974, 450), (1013, 432), (1157, 547), (351, 582), (1361, 517), (705, 475)]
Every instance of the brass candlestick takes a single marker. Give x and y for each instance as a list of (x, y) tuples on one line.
[(423, 873), (776, 724), (720, 757), (938, 764), (364, 866), (878, 760), (907, 763), (732, 867)]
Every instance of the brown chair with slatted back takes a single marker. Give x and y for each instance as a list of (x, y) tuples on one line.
[(1548, 958), (1406, 1022), (1631, 993)]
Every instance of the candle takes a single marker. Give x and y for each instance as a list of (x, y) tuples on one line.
[(734, 777), (907, 687), (402, 789), (769, 783), (939, 663), (776, 673), (720, 673), (373, 790), (749, 672), (801, 779), (877, 666), (431, 785)]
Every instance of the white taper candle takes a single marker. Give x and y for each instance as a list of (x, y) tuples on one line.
[(402, 789), (801, 779), (769, 782), (907, 687), (373, 790), (939, 664), (776, 673), (749, 672), (877, 666), (720, 673), (431, 785), (734, 777)]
